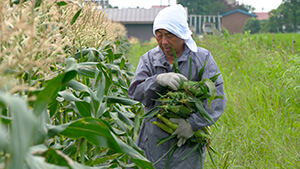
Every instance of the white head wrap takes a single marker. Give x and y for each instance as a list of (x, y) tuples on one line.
[(174, 20)]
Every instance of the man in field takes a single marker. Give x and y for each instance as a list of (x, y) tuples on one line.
[(155, 71)]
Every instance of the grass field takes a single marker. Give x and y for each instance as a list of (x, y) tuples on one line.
[(260, 127), (286, 41)]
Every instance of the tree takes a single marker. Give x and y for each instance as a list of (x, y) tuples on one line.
[(291, 14), (211, 7), (253, 25), (275, 22), (286, 18), (204, 7), (247, 8)]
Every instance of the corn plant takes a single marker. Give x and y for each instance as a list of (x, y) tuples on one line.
[(78, 116)]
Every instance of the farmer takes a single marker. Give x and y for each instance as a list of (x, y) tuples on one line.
[(155, 71)]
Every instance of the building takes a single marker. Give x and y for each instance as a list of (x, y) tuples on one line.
[(235, 20), (262, 15), (138, 21)]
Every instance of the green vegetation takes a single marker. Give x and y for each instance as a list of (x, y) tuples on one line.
[(284, 19), (63, 90), (137, 50), (210, 7), (260, 127), (63, 93), (283, 41), (253, 25)]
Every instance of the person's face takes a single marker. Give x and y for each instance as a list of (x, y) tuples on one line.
[(165, 39)]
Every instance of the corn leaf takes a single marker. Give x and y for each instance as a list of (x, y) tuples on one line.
[(122, 63), (121, 100), (53, 86), (101, 88), (75, 16), (123, 118), (203, 112), (37, 3), (193, 150), (84, 108), (175, 63), (21, 137), (77, 86), (201, 71), (97, 133), (67, 95), (61, 3)]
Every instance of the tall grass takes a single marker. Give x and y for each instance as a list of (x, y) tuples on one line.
[(138, 49), (287, 41), (260, 127)]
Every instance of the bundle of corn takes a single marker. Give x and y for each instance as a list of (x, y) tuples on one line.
[(188, 99)]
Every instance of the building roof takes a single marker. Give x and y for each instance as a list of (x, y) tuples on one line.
[(240, 11), (132, 15), (262, 15)]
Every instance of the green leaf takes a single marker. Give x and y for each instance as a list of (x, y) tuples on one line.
[(82, 149), (97, 132), (52, 156), (123, 118), (107, 75), (76, 16), (101, 88), (122, 63), (136, 126), (61, 3), (18, 1), (86, 70), (53, 106), (81, 53), (120, 123), (54, 130), (77, 86), (121, 100), (5, 119), (37, 162), (94, 130), (102, 109), (203, 112), (67, 95), (3, 138), (53, 86), (84, 108), (37, 3), (212, 90), (175, 63), (23, 127), (215, 77), (110, 55), (194, 149), (200, 73), (136, 157), (41, 133), (104, 159)]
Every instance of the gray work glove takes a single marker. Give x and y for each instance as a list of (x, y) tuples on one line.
[(184, 130), (170, 79)]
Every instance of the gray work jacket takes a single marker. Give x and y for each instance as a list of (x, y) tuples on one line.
[(143, 88)]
